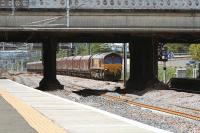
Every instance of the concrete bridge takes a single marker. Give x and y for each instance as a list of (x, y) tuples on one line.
[(142, 23)]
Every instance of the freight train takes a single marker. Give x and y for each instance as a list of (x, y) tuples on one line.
[(105, 66)]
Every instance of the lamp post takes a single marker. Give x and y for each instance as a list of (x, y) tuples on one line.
[(125, 62)]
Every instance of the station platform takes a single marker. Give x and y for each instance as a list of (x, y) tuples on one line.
[(27, 110)]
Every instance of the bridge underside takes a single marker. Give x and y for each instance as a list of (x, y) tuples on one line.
[(107, 35), (142, 30)]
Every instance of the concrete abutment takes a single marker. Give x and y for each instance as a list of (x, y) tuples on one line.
[(143, 64), (49, 81)]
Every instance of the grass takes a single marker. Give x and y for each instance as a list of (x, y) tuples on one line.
[(170, 73)]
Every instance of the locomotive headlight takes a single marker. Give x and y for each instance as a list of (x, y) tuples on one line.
[(105, 69)]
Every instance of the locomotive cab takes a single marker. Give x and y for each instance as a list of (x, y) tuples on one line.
[(112, 66), (106, 66)]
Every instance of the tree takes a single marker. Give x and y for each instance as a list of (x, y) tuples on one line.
[(194, 50), (100, 48), (61, 54), (178, 47), (82, 49)]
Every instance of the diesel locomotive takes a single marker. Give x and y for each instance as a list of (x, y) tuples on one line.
[(105, 66)]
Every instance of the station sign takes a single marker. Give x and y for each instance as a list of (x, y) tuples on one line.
[(163, 54)]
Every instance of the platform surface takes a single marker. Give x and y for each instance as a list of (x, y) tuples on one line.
[(67, 115), (11, 121)]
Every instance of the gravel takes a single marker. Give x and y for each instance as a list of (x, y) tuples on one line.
[(170, 99)]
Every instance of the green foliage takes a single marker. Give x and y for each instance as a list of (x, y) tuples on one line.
[(38, 58), (104, 48), (95, 48), (83, 48), (61, 54), (99, 48), (35, 58), (189, 71), (194, 50), (178, 47), (170, 72)]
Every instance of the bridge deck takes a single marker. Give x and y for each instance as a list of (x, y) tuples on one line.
[(31, 20), (98, 26), (73, 117)]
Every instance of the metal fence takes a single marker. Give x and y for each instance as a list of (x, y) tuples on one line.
[(103, 4), (16, 60)]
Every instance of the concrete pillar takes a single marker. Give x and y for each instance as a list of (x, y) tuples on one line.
[(143, 64), (49, 81)]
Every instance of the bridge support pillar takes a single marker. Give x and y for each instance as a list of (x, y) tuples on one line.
[(49, 81), (143, 64)]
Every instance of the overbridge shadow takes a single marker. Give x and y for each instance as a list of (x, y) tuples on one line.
[(186, 90), (140, 91), (91, 92), (158, 86), (94, 92)]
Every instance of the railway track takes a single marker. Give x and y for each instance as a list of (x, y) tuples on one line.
[(125, 100), (172, 112)]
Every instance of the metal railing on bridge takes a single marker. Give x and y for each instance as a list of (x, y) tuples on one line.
[(136, 4), (103, 4)]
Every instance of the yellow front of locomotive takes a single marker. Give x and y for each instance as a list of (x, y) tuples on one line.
[(113, 71), (113, 67)]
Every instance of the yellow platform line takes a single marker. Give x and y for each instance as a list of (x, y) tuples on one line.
[(35, 119)]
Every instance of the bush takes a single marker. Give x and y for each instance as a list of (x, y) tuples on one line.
[(170, 72), (194, 50)]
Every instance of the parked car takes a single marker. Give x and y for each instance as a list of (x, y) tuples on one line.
[(191, 62)]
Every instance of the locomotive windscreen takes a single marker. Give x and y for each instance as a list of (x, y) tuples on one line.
[(113, 60), (108, 60), (117, 60)]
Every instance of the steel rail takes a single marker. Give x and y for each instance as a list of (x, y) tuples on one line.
[(196, 110), (182, 114), (142, 105)]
